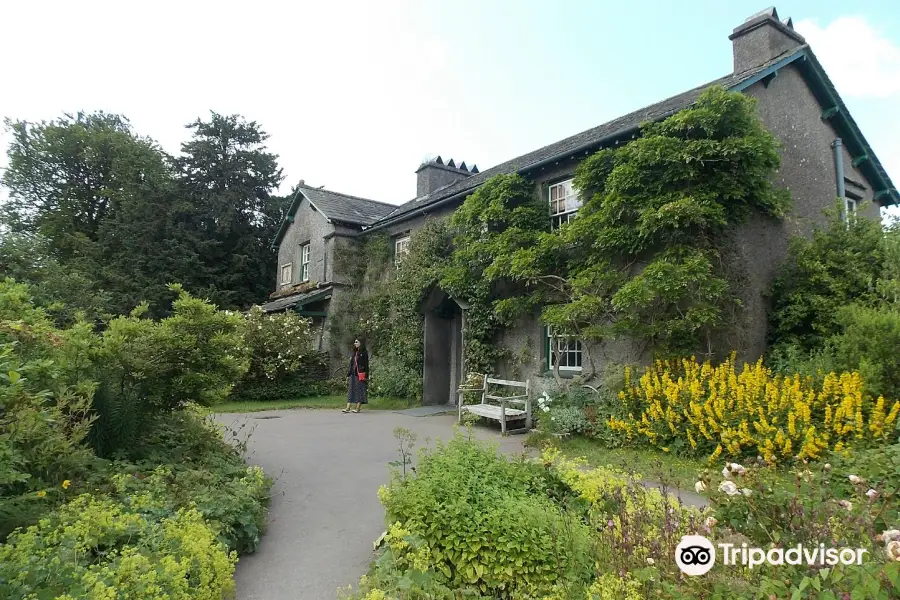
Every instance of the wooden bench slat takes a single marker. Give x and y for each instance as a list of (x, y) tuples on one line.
[(493, 412), (507, 382), (489, 397)]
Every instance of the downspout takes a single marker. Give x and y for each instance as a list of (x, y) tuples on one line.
[(836, 147)]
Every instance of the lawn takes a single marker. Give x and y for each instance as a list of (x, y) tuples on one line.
[(651, 464), (333, 402)]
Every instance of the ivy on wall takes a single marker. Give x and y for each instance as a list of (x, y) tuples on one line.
[(383, 304), (646, 259)]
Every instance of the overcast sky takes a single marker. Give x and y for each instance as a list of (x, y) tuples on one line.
[(356, 94)]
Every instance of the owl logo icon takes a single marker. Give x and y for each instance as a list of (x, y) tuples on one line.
[(695, 555)]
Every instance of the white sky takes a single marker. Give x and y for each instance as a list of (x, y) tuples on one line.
[(356, 94)]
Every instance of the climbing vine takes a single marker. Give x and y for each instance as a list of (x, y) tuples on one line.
[(649, 257), (383, 304)]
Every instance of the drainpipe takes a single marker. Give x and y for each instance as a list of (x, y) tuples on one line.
[(836, 147)]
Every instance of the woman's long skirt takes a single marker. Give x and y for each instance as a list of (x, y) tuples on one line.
[(358, 393)]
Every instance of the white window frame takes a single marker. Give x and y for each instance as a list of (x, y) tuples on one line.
[(401, 248), (568, 197), (289, 268), (304, 262), (560, 340)]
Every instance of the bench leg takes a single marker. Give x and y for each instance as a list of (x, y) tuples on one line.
[(503, 419)]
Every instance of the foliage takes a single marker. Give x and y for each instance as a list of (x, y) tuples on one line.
[(822, 504), (114, 220), (62, 292), (173, 514), (485, 522), (95, 548), (868, 342), (697, 409), (382, 305), (647, 258), (146, 367), (838, 266), (502, 216), (226, 173)]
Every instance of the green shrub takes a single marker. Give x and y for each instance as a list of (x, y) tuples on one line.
[(487, 522), (278, 344), (868, 342), (837, 266), (97, 549), (311, 379)]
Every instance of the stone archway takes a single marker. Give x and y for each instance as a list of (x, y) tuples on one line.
[(444, 356)]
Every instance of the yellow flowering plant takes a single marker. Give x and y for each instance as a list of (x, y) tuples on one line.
[(721, 410)]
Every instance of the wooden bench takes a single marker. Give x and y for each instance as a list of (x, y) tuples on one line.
[(500, 411)]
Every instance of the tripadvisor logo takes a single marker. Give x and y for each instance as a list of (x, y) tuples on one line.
[(696, 555)]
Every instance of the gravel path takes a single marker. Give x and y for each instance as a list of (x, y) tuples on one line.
[(325, 512)]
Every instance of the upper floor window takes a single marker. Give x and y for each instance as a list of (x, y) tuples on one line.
[(563, 347), (286, 272), (304, 262), (852, 201), (564, 203), (401, 248)]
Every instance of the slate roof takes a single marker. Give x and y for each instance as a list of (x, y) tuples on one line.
[(609, 130), (346, 208), (297, 299)]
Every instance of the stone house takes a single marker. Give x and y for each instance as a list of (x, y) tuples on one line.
[(824, 155)]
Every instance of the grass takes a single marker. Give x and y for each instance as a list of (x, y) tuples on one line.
[(318, 402), (651, 464)]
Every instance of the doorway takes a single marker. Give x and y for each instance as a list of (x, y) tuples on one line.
[(443, 361)]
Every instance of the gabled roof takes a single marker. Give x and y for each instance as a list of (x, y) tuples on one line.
[(629, 125), (336, 207)]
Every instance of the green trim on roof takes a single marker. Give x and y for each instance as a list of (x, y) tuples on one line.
[(860, 159), (825, 92)]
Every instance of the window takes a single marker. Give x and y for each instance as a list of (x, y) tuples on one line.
[(401, 248), (565, 347), (304, 262), (286, 273), (564, 203), (852, 201)]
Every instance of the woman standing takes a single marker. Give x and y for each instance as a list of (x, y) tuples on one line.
[(358, 374)]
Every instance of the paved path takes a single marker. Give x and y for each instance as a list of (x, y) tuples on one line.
[(325, 513)]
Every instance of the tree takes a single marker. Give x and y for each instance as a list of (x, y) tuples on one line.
[(227, 176), (65, 177)]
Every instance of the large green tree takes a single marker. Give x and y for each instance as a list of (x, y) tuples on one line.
[(228, 176)]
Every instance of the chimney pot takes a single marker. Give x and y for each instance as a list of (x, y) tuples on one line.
[(436, 174)]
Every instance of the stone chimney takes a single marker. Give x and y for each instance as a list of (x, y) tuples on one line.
[(435, 174), (761, 38)]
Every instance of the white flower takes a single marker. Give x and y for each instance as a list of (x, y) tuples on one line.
[(827, 466), (545, 408), (726, 473), (855, 480), (746, 492), (846, 504), (700, 487), (710, 522), (872, 494), (891, 535), (650, 561), (736, 468), (729, 488), (893, 550)]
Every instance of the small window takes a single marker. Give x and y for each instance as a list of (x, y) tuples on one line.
[(401, 248), (286, 272), (852, 200), (565, 347), (304, 262), (564, 203)]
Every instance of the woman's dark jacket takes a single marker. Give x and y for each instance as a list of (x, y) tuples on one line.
[(363, 364)]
